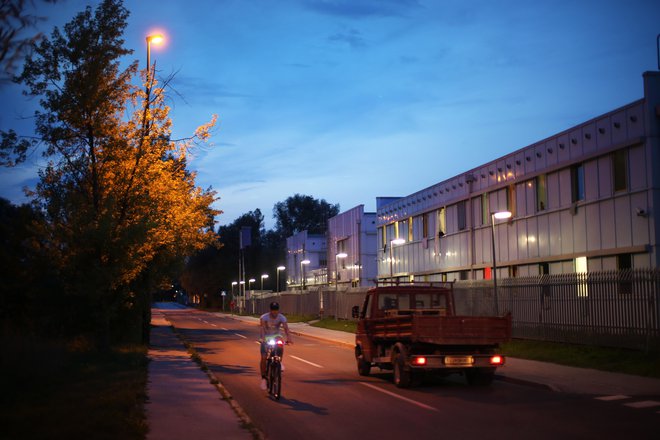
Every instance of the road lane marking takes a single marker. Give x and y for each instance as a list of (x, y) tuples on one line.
[(225, 329), (203, 321), (237, 334), (307, 362), (214, 325), (611, 398), (643, 404), (389, 393)]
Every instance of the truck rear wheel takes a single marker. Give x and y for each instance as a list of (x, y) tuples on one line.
[(480, 376), (364, 367), (402, 377)]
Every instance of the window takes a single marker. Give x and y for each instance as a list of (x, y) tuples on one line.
[(383, 237), (544, 269), (410, 229), (442, 222), (396, 230), (425, 225), (485, 210), (577, 183), (624, 264), (462, 218), (620, 170), (511, 199), (541, 193)]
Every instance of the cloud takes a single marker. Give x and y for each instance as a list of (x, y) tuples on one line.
[(362, 8), (352, 37)]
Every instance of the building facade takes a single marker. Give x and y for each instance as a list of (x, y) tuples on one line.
[(352, 248), (581, 200), (302, 247)]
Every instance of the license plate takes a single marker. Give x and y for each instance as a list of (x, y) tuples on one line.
[(459, 361)]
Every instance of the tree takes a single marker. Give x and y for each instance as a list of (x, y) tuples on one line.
[(121, 208), (14, 19), (302, 213)]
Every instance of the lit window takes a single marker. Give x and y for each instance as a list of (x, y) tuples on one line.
[(541, 193)]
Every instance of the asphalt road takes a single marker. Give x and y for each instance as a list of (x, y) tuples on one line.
[(324, 397)]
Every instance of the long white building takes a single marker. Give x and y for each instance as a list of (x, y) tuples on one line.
[(581, 200)]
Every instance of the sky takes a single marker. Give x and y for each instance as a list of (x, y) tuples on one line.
[(349, 100)]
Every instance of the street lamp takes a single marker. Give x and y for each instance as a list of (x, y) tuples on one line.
[(303, 263), (262, 281), (156, 39), (396, 241), (337, 257), (241, 301), (500, 215), (279, 268), (233, 283), (250, 281)]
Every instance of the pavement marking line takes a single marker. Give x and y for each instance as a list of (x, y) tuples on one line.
[(643, 404), (307, 362), (389, 393), (237, 334), (214, 325), (204, 321), (610, 398), (225, 329)]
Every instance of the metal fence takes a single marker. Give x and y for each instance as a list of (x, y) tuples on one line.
[(616, 308)]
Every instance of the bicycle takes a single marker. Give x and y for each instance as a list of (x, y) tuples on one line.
[(274, 351)]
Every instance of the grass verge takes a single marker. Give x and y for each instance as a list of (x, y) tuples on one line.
[(51, 391), (600, 358), (339, 324)]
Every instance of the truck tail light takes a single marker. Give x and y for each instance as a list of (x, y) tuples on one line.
[(497, 360), (419, 360)]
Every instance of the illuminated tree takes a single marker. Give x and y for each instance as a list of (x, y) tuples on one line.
[(121, 206)]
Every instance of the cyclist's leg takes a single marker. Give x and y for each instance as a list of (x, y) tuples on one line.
[(262, 364)]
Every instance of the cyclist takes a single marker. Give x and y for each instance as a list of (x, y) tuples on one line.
[(271, 325)]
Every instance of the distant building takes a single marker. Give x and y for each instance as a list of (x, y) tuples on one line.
[(582, 200), (301, 247), (352, 248)]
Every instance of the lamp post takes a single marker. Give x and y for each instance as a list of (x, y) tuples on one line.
[(241, 298), (337, 257), (500, 215), (156, 39), (303, 263), (279, 268), (262, 281), (250, 281), (396, 241), (233, 283)]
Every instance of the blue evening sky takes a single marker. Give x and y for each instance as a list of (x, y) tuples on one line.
[(348, 100)]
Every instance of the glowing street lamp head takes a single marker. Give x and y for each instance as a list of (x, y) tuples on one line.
[(501, 215), (264, 276), (155, 39), (233, 283), (305, 262), (342, 255), (281, 267)]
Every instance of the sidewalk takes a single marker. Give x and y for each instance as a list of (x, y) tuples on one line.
[(182, 403), (524, 372)]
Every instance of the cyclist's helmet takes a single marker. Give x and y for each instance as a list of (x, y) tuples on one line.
[(274, 305)]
